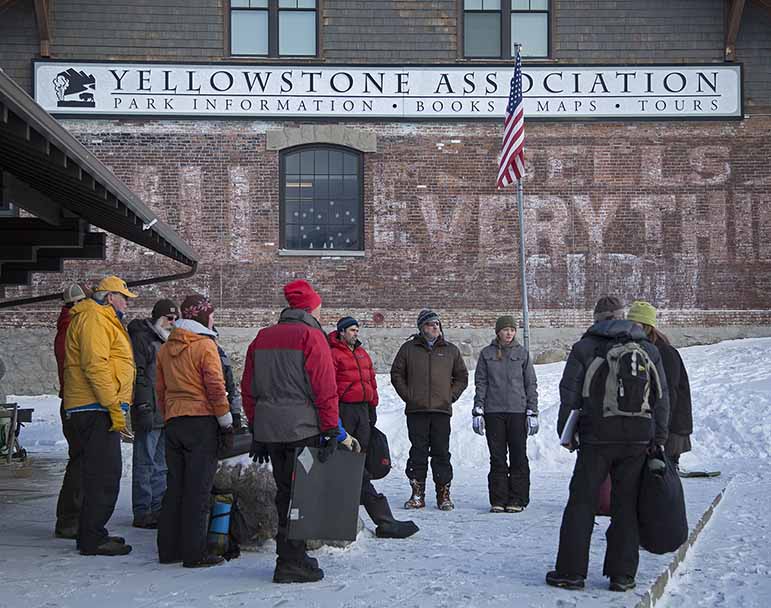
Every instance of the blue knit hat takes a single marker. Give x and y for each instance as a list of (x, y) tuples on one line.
[(345, 323), (425, 316)]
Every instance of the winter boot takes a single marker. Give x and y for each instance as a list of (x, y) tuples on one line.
[(290, 571), (379, 510), (205, 562), (109, 548), (443, 500), (622, 583), (566, 581), (418, 498)]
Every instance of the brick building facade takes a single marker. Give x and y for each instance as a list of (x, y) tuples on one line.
[(676, 212)]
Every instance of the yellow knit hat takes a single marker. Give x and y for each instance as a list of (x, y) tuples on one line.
[(642, 312)]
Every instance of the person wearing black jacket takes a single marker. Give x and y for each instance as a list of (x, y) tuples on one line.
[(680, 409), (148, 483), (618, 445)]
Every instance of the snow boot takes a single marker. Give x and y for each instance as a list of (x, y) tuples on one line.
[(497, 509), (109, 548), (379, 510), (418, 498), (205, 562), (565, 581), (514, 508), (443, 500), (622, 583), (290, 571)]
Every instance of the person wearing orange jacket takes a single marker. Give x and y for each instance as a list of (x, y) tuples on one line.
[(191, 396), (68, 505), (357, 392), (98, 378)]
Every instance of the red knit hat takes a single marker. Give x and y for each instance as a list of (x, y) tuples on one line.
[(299, 294)]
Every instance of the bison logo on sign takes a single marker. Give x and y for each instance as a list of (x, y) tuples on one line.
[(75, 89)]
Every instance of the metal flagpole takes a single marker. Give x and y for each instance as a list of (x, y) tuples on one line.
[(525, 310)]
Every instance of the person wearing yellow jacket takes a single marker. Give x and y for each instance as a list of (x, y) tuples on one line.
[(98, 385)]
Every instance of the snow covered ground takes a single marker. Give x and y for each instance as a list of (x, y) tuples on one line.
[(467, 557)]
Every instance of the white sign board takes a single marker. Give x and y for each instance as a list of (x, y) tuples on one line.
[(71, 88)]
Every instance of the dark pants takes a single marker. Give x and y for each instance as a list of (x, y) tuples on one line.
[(282, 456), (625, 464), (430, 436), (191, 458), (68, 505), (509, 479), (100, 468), (148, 472), (357, 421)]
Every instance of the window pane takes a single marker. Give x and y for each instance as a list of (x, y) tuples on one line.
[(292, 190), (249, 32), (306, 187), (239, 3), (335, 187), (335, 162), (491, 5), (322, 162), (539, 5), (482, 35), (297, 33), (287, 3), (258, 3), (306, 161), (520, 5), (473, 5), (531, 31), (296, 3), (291, 212), (350, 186), (350, 166), (292, 163)]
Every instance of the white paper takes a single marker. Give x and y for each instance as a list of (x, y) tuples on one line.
[(569, 437)]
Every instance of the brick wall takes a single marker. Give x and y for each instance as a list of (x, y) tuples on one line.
[(676, 213)]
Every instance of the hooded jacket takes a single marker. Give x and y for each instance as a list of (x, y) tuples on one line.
[(288, 388), (681, 415), (189, 380), (581, 356), (98, 360), (505, 380), (62, 323), (146, 343), (429, 379), (355, 373)]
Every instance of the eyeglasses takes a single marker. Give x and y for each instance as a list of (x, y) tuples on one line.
[(171, 318), (432, 323)]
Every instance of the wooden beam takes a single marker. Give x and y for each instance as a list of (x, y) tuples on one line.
[(43, 27), (732, 29)]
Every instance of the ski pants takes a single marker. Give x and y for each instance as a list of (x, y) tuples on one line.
[(624, 462), (509, 479), (191, 458), (68, 505), (429, 434), (100, 470)]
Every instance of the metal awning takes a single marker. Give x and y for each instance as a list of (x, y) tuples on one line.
[(47, 172)]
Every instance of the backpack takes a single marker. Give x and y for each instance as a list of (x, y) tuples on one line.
[(378, 463), (228, 527), (620, 386)]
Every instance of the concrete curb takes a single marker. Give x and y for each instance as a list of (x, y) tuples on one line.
[(656, 590)]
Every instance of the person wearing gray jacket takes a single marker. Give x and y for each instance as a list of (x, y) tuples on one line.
[(506, 410)]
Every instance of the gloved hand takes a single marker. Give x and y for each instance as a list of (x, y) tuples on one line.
[(478, 420), (225, 439), (532, 422), (351, 443), (142, 418), (118, 420), (328, 444), (372, 414), (259, 452), (236, 420)]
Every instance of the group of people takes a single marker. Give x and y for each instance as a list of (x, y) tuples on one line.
[(301, 387)]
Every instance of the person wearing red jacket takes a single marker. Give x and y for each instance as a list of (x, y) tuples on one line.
[(68, 505), (357, 391), (289, 396)]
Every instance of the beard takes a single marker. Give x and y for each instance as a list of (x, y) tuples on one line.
[(162, 332)]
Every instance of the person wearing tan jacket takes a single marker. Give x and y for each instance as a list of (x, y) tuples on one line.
[(98, 384), (191, 396)]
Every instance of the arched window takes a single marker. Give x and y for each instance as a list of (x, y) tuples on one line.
[(321, 199)]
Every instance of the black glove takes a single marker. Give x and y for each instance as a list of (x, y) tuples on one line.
[(259, 452), (372, 414), (328, 444), (225, 440), (142, 418), (236, 420)]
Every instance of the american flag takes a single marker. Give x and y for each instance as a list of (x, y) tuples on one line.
[(512, 164)]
